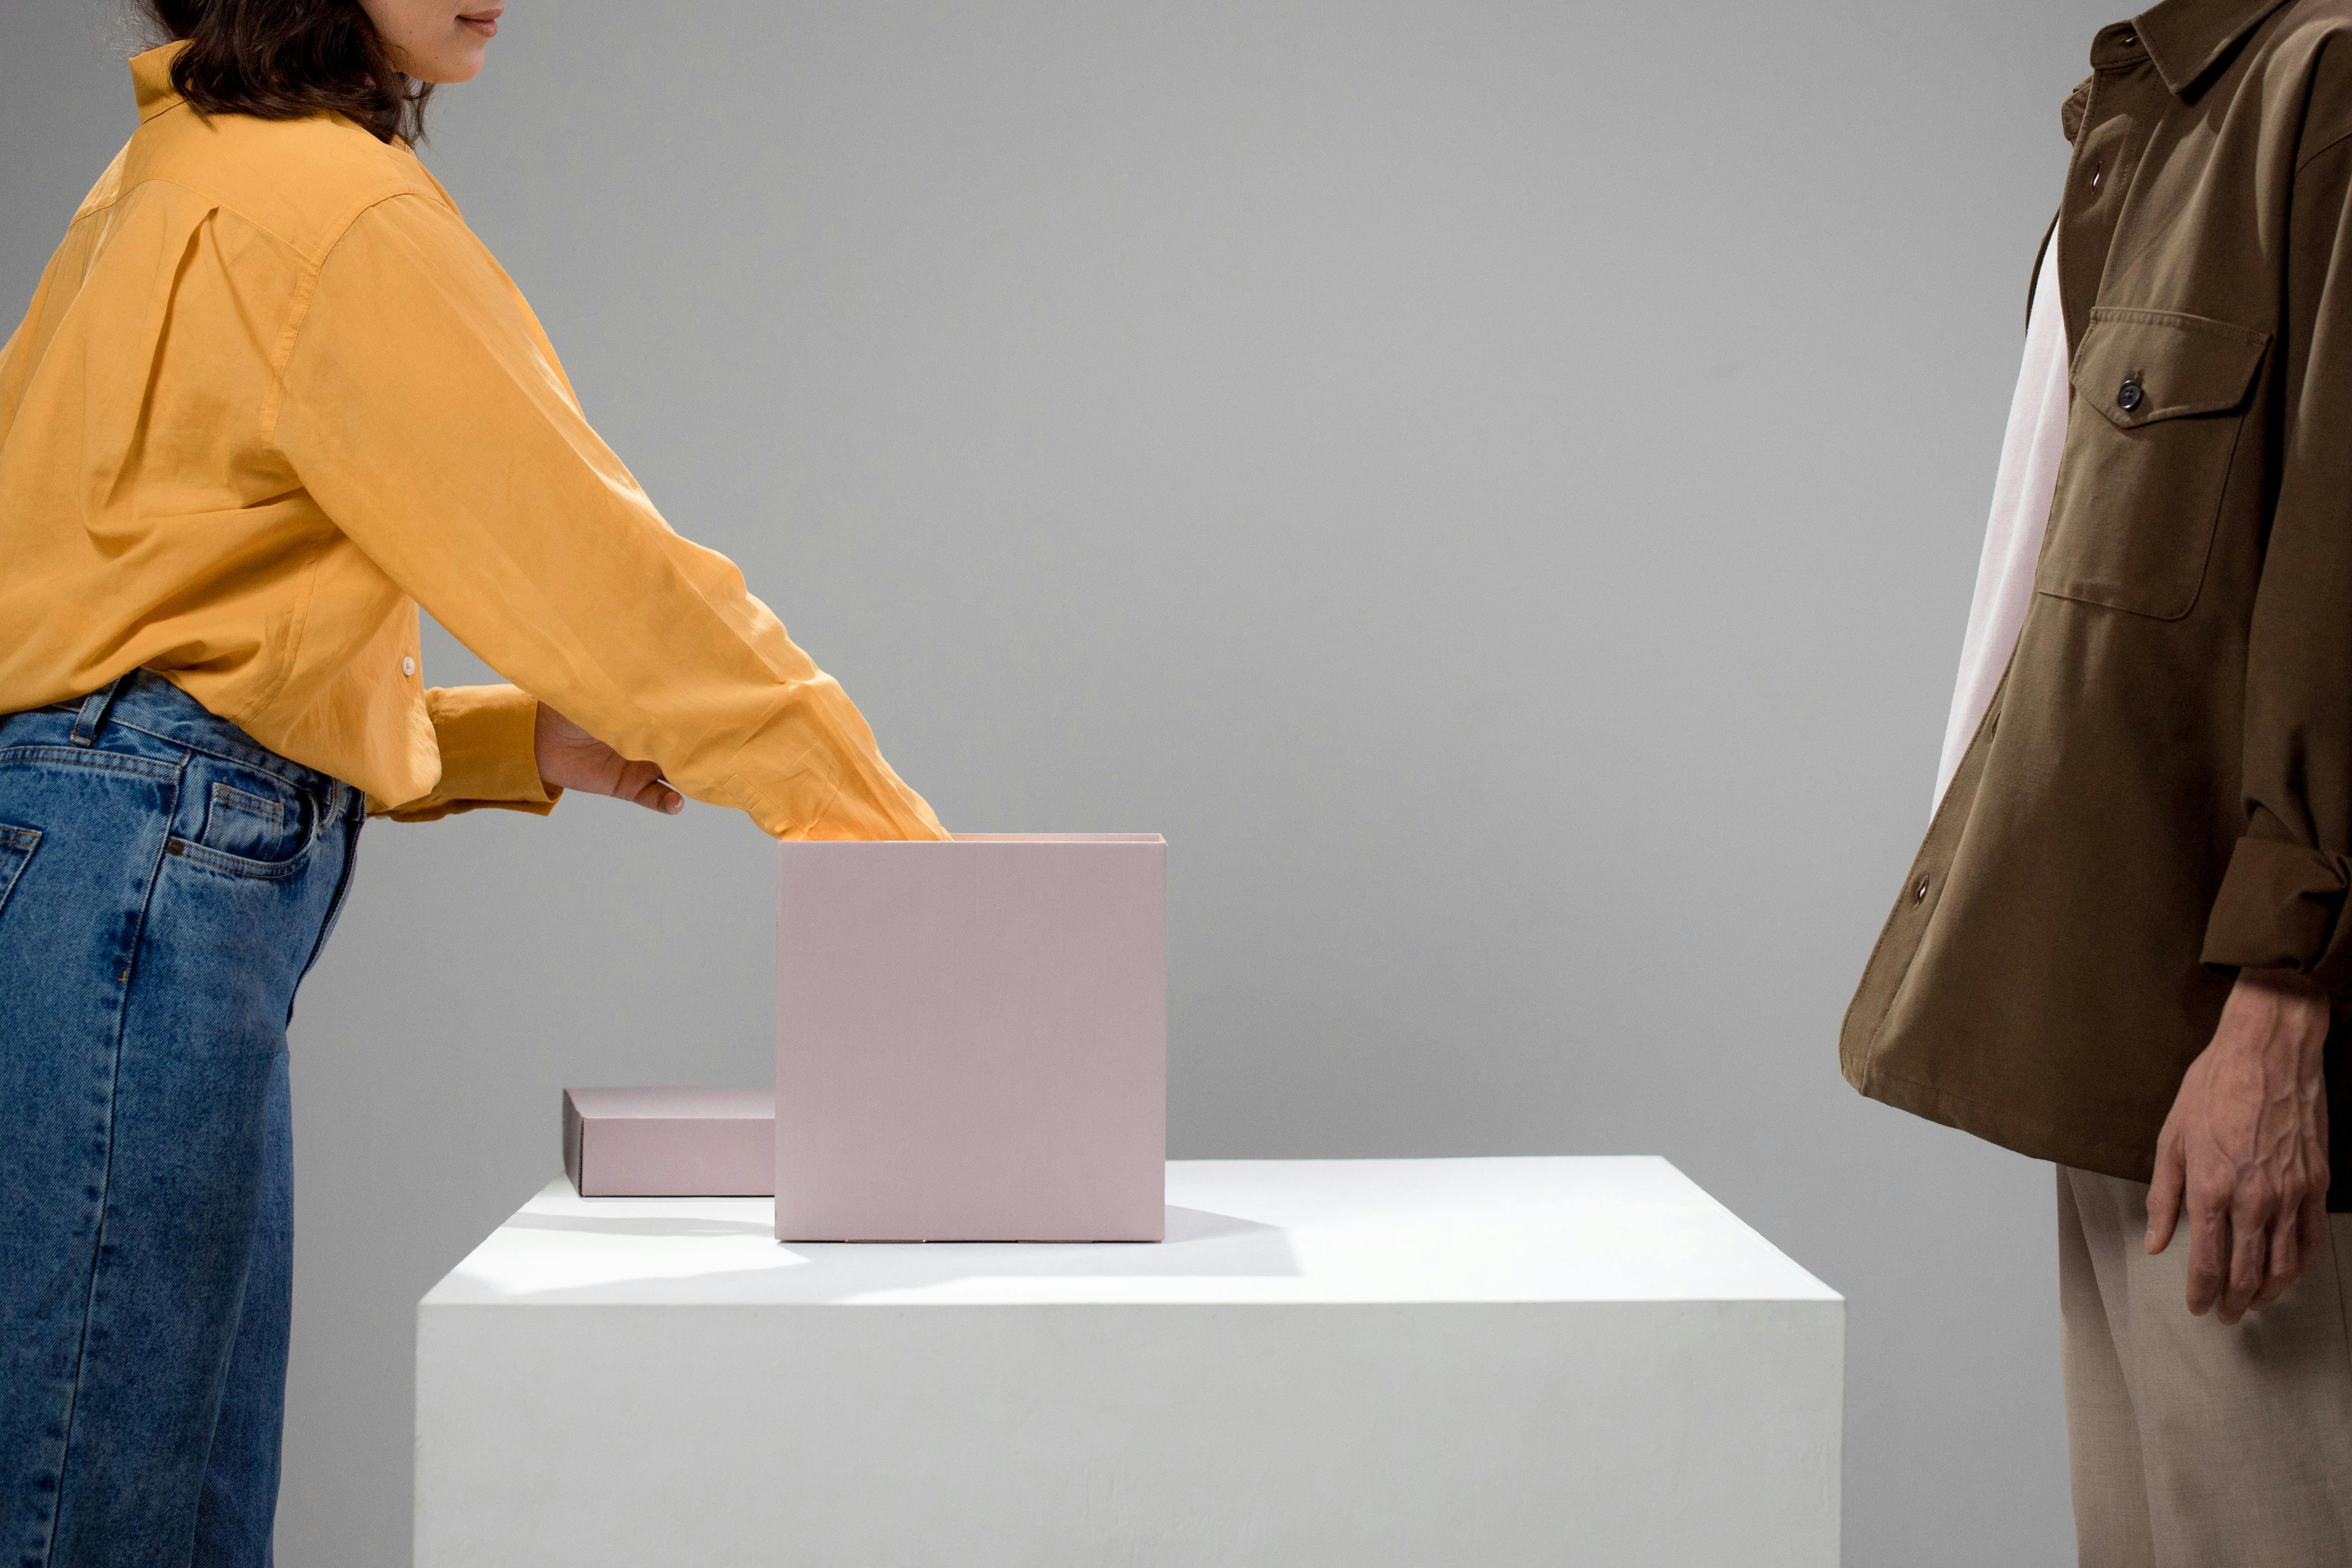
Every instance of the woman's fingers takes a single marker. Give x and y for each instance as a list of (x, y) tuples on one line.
[(571, 757), (643, 783)]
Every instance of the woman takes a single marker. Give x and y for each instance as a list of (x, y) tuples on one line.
[(270, 394)]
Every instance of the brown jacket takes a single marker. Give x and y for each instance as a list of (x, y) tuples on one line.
[(2161, 791)]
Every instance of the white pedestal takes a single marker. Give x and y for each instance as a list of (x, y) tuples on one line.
[(1351, 1364)]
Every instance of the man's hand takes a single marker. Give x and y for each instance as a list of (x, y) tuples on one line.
[(2247, 1144), (572, 757)]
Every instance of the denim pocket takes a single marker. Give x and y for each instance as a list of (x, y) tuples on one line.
[(249, 825), (16, 846), (233, 865), (249, 833)]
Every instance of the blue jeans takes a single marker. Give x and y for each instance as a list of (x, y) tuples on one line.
[(165, 882)]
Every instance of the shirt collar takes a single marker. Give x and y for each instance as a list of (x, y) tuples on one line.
[(2185, 38), (151, 75)]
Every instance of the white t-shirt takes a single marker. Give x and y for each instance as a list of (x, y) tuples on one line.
[(2020, 511)]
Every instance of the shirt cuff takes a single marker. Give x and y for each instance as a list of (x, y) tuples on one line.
[(835, 784), (487, 754), (2281, 907)]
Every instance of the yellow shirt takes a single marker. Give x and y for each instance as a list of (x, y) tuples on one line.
[(271, 394)]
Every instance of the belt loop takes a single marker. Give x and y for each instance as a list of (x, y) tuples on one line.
[(342, 800), (96, 706)]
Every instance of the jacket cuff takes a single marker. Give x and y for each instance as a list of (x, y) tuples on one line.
[(487, 754), (2281, 907)]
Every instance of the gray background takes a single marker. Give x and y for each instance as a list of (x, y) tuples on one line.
[(1497, 484)]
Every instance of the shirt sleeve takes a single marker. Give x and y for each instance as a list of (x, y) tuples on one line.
[(425, 411), (2282, 899), (489, 757)]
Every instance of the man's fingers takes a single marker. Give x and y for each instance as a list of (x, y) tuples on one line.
[(2164, 1192), (2208, 1256), (2250, 1257), (2296, 1246), (2286, 1263)]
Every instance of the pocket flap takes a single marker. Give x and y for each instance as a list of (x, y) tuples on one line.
[(2138, 366)]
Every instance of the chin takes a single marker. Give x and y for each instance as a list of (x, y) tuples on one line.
[(463, 68)]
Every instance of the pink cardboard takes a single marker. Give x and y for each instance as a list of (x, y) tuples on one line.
[(971, 1039), (670, 1142)]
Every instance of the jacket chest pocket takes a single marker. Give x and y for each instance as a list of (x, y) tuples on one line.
[(2160, 405)]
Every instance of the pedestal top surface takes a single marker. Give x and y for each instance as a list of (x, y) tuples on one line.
[(1240, 1232)]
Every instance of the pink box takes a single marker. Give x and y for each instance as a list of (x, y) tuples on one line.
[(670, 1142), (971, 1039)]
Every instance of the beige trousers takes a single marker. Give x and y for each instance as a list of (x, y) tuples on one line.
[(2192, 1444)]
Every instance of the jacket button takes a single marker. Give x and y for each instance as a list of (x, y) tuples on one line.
[(2129, 396), (407, 666), (1920, 893)]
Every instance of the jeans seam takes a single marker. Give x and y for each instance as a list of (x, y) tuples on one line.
[(256, 757), (101, 761), (334, 907), (326, 784), (106, 1181)]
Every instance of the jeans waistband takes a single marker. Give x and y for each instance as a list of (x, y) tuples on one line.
[(143, 700)]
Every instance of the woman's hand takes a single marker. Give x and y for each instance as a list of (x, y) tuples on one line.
[(2246, 1146), (571, 757)]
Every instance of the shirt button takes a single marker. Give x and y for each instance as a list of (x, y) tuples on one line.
[(2129, 396), (407, 666)]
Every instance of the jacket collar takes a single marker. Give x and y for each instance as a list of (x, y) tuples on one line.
[(151, 77), (2186, 38)]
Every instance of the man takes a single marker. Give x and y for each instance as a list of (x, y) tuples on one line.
[(2123, 943)]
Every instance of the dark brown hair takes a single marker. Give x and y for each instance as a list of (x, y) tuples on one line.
[(282, 59)]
